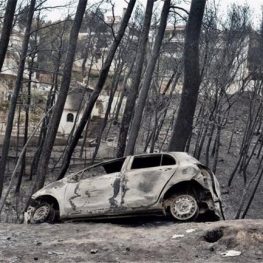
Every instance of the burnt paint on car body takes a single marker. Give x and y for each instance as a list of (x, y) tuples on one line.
[(76, 195), (116, 190), (148, 184)]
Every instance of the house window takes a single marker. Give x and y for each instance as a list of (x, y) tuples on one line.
[(70, 117)]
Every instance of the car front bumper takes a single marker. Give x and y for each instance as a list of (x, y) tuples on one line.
[(30, 211)]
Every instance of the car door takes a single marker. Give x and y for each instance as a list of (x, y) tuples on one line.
[(96, 192), (145, 178)]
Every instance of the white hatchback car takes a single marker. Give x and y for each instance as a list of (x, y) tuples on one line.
[(173, 183)]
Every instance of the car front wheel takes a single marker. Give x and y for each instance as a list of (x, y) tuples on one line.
[(183, 207), (44, 213)]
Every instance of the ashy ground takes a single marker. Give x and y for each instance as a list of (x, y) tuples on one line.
[(141, 241)]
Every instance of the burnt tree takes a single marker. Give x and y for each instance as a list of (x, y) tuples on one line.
[(63, 92), (135, 126), (183, 125), (99, 86), (135, 80), (7, 29), (14, 98)]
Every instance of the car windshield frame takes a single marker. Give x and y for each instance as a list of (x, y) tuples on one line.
[(81, 172)]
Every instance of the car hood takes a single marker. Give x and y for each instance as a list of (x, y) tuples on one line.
[(51, 189)]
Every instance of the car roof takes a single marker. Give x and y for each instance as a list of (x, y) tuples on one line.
[(179, 157)]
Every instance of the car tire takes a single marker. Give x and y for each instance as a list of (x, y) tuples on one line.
[(183, 207), (44, 213)]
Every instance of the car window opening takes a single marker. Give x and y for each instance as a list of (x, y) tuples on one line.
[(114, 167), (168, 160), (152, 161), (93, 172), (146, 162)]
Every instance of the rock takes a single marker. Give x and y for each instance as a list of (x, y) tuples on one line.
[(94, 251), (211, 248), (231, 253), (177, 236), (213, 235)]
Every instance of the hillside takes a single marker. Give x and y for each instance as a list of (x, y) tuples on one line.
[(147, 241)]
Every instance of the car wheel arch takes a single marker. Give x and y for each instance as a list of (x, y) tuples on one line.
[(190, 185)]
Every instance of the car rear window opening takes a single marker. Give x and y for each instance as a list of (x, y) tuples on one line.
[(152, 161)]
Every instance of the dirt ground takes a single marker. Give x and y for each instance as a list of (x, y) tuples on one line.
[(151, 240)]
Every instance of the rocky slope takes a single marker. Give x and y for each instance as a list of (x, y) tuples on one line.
[(149, 241)]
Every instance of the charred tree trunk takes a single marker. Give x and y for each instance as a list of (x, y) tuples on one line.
[(95, 94), (168, 130), (184, 121), (18, 129), (87, 125), (154, 132), (120, 102), (217, 146), (6, 29), (13, 102), (252, 195), (59, 106), (27, 106), (200, 123), (135, 82), (107, 114), (135, 126), (43, 130), (233, 132)]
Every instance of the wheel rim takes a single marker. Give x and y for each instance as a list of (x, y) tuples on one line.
[(184, 207), (41, 213)]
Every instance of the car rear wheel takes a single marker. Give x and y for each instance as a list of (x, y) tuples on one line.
[(183, 207), (44, 213)]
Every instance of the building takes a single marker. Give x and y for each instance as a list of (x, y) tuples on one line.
[(74, 106), (73, 109)]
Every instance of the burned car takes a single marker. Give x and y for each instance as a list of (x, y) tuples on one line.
[(174, 183)]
